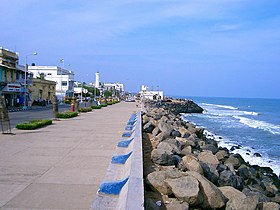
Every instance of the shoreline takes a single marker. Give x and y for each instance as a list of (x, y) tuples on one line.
[(182, 148)]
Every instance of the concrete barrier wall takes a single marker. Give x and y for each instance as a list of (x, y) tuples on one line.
[(122, 187)]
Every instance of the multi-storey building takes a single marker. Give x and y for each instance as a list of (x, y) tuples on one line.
[(64, 78), (11, 78)]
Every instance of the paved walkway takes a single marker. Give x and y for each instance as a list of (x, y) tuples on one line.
[(60, 166)]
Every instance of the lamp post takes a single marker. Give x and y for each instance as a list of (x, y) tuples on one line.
[(61, 61), (25, 79)]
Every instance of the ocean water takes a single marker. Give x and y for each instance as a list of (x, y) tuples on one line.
[(251, 124)]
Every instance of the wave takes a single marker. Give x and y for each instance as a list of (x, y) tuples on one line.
[(246, 152), (251, 113), (274, 129), (221, 106)]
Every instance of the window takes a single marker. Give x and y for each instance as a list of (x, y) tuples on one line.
[(64, 83)]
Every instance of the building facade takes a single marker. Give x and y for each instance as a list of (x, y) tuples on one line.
[(145, 93), (42, 90), (63, 78), (11, 78)]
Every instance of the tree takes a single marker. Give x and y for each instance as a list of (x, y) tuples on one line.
[(107, 93)]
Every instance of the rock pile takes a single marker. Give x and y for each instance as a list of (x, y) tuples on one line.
[(185, 170)]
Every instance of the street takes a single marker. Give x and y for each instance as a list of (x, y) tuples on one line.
[(35, 113)]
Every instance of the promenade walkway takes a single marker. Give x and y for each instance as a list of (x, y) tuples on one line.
[(62, 165)]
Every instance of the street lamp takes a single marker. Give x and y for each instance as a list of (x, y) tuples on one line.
[(25, 79), (61, 61)]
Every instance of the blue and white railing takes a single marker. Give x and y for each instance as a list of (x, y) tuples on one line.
[(122, 186)]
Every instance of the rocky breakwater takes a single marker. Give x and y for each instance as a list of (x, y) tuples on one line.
[(185, 170)]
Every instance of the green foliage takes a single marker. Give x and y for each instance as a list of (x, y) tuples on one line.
[(66, 114), (85, 109), (96, 107), (91, 90), (103, 105), (110, 103), (34, 124), (107, 93)]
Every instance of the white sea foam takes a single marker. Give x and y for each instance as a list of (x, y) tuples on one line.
[(221, 106), (246, 152), (274, 129), (251, 113)]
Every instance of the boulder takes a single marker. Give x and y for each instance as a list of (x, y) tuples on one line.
[(169, 148), (156, 180), (177, 205), (162, 157), (209, 158), (210, 147), (162, 136), (236, 160), (248, 203), (232, 193), (191, 163), (199, 132), (156, 131), (183, 131), (164, 127), (151, 204), (268, 206), (222, 154), (227, 178), (210, 172), (148, 127), (185, 188), (175, 133), (243, 171), (212, 196), (187, 150), (145, 119)]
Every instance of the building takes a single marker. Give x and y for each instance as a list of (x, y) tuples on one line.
[(64, 78), (42, 90), (145, 93), (11, 78), (117, 89)]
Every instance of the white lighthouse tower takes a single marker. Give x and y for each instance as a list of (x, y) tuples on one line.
[(97, 79)]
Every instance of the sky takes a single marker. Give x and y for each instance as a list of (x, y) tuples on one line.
[(216, 48)]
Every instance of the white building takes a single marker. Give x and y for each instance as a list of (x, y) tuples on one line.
[(64, 78), (115, 88), (150, 95)]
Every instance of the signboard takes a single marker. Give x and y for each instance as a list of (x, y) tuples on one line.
[(4, 117)]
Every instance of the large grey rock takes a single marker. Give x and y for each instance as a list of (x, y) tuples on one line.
[(209, 158), (162, 136), (222, 154), (210, 147), (232, 193), (156, 180), (191, 163), (185, 188), (162, 157), (212, 196), (187, 150), (236, 160), (177, 205), (227, 178), (151, 204), (247, 203), (156, 131), (145, 119), (268, 206), (170, 148), (148, 127), (164, 127), (210, 172)]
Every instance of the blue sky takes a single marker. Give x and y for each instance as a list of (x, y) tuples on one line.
[(227, 48)]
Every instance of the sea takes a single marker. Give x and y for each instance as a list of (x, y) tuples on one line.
[(250, 125)]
